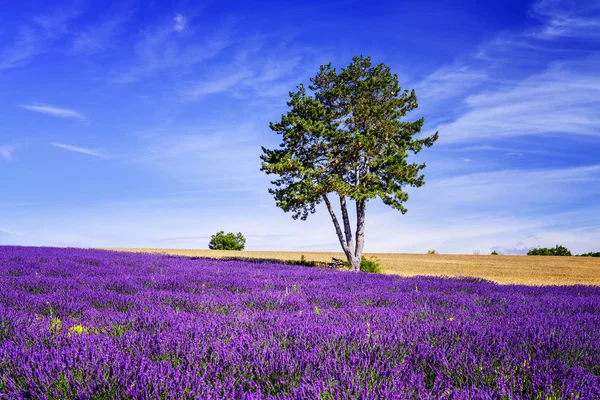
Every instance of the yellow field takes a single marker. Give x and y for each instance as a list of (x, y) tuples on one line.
[(528, 270)]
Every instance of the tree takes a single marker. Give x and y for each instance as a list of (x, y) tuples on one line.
[(346, 138), (555, 251), (229, 241)]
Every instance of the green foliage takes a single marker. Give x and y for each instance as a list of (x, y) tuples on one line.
[(227, 241), (494, 253), (555, 251), (371, 266), (590, 254), (432, 252), (346, 136)]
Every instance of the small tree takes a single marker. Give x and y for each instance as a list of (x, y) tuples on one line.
[(227, 241), (347, 138)]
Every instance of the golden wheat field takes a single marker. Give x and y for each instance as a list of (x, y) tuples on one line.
[(528, 270)]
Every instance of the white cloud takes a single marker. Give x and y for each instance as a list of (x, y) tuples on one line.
[(179, 22), (78, 149), (159, 50), (98, 37), (37, 36), (182, 154), (527, 91), (580, 19), (54, 111), (483, 210), (449, 81), (218, 84), (511, 250), (454, 215), (564, 100), (260, 71), (6, 151)]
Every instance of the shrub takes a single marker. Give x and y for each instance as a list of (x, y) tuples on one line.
[(227, 241), (371, 266), (555, 251), (431, 252), (494, 253)]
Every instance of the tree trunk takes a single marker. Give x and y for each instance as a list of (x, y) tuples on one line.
[(353, 250), (360, 229), (338, 230), (355, 262)]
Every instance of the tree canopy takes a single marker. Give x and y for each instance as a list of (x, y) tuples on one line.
[(347, 135), (227, 241)]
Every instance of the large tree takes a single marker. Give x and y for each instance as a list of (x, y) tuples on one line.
[(346, 138)]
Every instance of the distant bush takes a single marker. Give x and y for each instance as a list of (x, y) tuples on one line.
[(590, 254), (431, 252), (555, 251), (227, 241), (494, 253)]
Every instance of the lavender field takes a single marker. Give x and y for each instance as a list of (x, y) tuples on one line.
[(105, 325)]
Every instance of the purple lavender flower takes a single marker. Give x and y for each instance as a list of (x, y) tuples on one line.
[(97, 324)]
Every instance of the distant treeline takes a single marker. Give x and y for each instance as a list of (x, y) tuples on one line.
[(590, 254), (558, 251)]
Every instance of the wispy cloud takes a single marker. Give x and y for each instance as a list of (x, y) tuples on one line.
[(159, 50), (54, 111), (514, 86), (98, 37), (257, 70), (567, 19), (9, 232), (564, 100), (218, 84), (37, 36), (449, 81), (6, 151), (180, 22), (77, 149)]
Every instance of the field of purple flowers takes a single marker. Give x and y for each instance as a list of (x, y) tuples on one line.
[(105, 325)]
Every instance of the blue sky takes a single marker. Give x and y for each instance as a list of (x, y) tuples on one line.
[(139, 124)]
